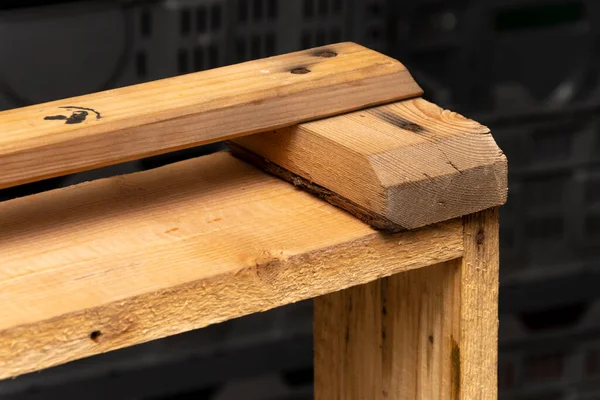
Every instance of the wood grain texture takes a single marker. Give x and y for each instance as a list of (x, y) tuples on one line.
[(409, 163), (479, 307), (119, 261), (156, 117), (394, 338)]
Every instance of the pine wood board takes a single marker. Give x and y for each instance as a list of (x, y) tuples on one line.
[(393, 338), (124, 260), (104, 128), (479, 307), (397, 166), (429, 333)]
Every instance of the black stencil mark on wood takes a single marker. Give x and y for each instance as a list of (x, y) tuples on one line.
[(98, 116), (55, 117), (76, 117)]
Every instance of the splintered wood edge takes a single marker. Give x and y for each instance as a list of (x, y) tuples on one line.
[(194, 305), (398, 166), (377, 221), (124, 124)]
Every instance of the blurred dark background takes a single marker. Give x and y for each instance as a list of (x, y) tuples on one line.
[(529, 69)]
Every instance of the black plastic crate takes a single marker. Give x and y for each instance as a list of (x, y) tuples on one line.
[(151, 39), (500, 57), (551, 354), (550, 224)]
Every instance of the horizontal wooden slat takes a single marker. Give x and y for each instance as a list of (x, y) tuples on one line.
[(53, 139), (397, 166), (119, 261)]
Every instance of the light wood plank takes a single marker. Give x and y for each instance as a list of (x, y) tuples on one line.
[(479, 307), (143, 256), (430, 333), (394, 338), (397, 166), (156, 117)]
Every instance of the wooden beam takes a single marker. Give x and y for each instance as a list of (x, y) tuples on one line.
[(430, 333), (118, 125), (394, 338), (479, 307), (124, 260), (397, 166)]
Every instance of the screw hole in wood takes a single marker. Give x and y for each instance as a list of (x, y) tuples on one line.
[(95, 336), (326, 54), (300, 71)]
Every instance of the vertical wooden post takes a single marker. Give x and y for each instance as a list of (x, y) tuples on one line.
[(429, 333), (389, 339), (479, 307)]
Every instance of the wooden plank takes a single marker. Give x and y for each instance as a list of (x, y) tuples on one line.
[(394, 338), (430, 333), (124, 124), (119, 261), (478, 348), (397, 166)]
